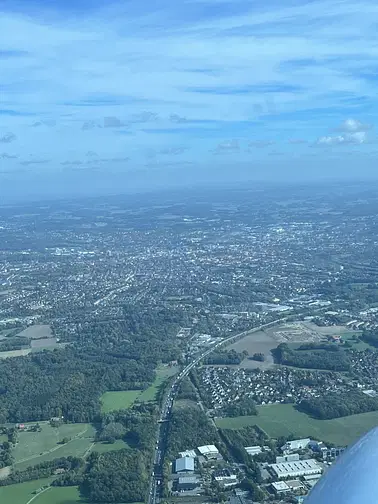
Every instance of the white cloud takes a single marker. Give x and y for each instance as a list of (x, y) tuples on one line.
[(354, 126), (359, 137), (352, 131), (176, 67)]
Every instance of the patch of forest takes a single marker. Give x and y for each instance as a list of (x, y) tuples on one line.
[(69, 382), (329, 357), (338, 405)]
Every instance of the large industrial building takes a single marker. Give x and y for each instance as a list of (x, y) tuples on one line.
[(184, 465), (295, 469), (186, 483), (208, 451)]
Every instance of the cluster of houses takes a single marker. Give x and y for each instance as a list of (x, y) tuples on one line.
[(223, 385)]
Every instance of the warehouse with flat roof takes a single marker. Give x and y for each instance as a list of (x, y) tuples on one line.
[(184, 465), (295, 469), (186, 483), (208, 451)]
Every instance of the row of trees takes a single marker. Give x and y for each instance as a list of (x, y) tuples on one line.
[(44, 470), (338, 405), (370, 337), (14, 343), (245, 406), (226, 357)]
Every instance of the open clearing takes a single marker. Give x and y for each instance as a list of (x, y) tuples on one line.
[(283, 419), (40, 344), (59, 495), (37, 331), (106, 447), (162, 374), (23, 492), (15, 353), (5, 472), (123, 399), (292, 333), (118, 400), (258, 342), (36, 447)]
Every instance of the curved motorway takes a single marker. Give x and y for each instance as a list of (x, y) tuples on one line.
[(166, 409)]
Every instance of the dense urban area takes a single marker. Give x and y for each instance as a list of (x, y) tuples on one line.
[(191, 347)]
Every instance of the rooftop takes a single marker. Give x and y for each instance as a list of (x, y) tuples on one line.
[(206, 449), (184, 464)]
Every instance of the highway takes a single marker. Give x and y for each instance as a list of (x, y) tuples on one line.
[(166, 409)]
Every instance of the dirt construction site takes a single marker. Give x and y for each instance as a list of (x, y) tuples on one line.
[(294, 332)]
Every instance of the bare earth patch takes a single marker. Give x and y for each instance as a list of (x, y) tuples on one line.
[(266, 340), (15, 353), (258, 342), (5, 472)]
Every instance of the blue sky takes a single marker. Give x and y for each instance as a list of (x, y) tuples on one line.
[(111, 96)]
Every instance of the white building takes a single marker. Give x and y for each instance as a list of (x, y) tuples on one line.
[(184, 465), (208, 451), (227, 480), (253, 450), (293, 457), (295, 469), (188, 453), (297, 444), (280, 487)]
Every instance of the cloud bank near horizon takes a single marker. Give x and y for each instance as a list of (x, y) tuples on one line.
[(203, 81)]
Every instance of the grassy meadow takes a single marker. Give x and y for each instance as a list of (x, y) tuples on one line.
[(283, 419)]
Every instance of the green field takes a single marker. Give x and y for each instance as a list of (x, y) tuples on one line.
[(162, 374), (356, 345), (59, 495), (283, 419), (123, 399), (106, 447), (22, 492), (35, 447)]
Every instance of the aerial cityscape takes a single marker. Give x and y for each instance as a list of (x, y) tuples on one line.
[(195, 346), (188, 252)]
